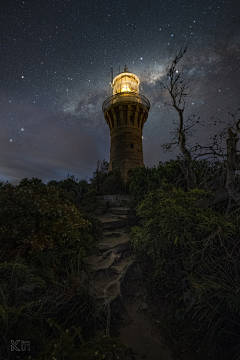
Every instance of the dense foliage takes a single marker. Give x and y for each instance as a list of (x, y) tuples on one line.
[(56, 318), (39, 219), (107, 183), (142, 181), (44, 298), (73, 189), (192, 255)]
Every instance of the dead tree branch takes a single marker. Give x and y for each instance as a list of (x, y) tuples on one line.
[(224, 185), (179, 93)]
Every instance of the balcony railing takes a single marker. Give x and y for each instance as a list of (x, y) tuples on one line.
[(126, 96)]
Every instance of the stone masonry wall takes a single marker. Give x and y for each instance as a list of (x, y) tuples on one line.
[(126, 121)]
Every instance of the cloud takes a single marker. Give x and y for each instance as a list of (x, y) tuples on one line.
[(53, 143)]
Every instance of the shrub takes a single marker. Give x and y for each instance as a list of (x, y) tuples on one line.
[(113, 184), (192, 254), (71, 189), (142, 181), (41, 312), (44, 246), (40, 219)]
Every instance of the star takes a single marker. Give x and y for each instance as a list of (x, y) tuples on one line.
[(57, 74)]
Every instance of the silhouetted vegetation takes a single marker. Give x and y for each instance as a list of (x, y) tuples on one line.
[(45, 239), (189, 255), (192, 260), (107, 183), (187, 234)]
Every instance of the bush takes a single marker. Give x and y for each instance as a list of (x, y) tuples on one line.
[(39, 219), (55, 322), (113, 184), (90, 202), (44, 244), (71, 189), (142, 181), (99, 176), (107, 183), (193, 260)]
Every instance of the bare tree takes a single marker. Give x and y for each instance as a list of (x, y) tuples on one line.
[(224, 185), (179, 93), (229, 187)]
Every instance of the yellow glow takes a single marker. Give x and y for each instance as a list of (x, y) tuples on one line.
[(128, 75), (125, 89), (125, 82)]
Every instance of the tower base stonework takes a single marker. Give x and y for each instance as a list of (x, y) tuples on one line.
[(126, 122), (126, 149)]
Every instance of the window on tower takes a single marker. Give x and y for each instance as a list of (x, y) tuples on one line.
[(131, 119), (132, 146)]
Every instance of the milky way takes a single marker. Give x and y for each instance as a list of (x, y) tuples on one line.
[(56, 59)]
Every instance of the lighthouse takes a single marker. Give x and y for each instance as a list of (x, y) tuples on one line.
[(125, 112)]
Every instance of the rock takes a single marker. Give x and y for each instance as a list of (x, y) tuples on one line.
[(114, 224), (112, 234), (143, 306), (103, 247), (137, 294)]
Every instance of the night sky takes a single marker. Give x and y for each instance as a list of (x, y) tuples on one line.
[(56, 58)]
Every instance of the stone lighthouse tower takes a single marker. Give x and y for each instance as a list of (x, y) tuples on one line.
[(126, 112)]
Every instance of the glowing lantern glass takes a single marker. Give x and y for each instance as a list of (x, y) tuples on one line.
[(125, 82)]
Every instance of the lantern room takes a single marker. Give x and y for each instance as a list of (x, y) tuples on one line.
[(125, 82)]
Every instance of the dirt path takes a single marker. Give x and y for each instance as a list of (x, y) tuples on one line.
[(128, 315), (140, 333)]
